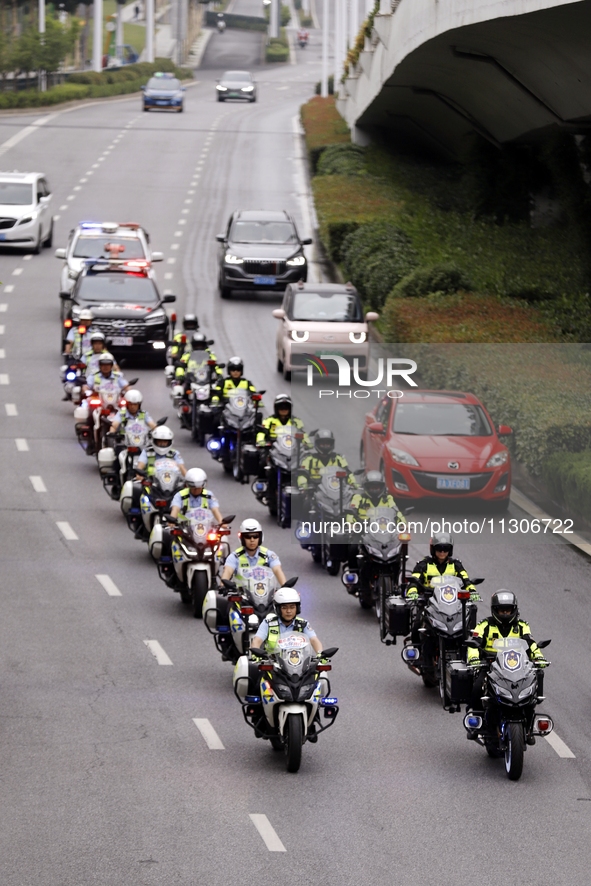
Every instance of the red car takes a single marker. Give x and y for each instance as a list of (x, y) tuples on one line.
[(438, 444)]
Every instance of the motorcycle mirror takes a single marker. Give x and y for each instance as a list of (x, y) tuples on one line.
[(133, 381), (229, 585), (229, 519), (544, 643), (477, 581), (291, 582), (315, 431), (472, 643), (161, 421), (328, 653), (221, 365), (408, 510)]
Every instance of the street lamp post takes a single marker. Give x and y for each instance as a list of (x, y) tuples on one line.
[(42, 74), (149, 30), (97, 37), (325, 23)]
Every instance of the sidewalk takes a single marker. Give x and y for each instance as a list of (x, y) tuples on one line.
[(164, 42)]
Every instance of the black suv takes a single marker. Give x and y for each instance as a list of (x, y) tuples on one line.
[(261, 250), (127, 307)]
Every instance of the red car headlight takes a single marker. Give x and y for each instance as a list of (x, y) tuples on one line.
[(498, 459), (402, 457)]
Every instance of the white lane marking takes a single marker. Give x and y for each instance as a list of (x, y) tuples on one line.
[(38, 484), (66, 530), (169, 275), (9, 288), (178, 233), (71, 197), (27, 257), (158, 652), (190, 192), (559, 746), (4, 379), (56, 217), (21, 444), (19, 136), (2, 328), (11, 409), (182, 221), (17, 272), (175, 246), (167, 292), (188, 201), (94, 166), (65, 206), (212, 739), (2, 353), (170, 261), (268, 833), (109, 586), (76, 188), (83, 181), (90, 172)]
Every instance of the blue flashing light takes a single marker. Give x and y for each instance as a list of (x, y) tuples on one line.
[(260, 486), (134, 510), (473, 722), (252, 699), (350, 578), (224, 629), (411, 653), (213, 444), (70, 376), (328, 700), (302, 533), (87, 225)]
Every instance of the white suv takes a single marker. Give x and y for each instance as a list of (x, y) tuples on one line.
[(89, 239), (25, 210)]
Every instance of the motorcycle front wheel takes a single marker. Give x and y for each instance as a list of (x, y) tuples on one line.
[(294, 739), (198, 592), (514, 751)]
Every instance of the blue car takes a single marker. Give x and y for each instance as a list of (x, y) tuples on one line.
[(163, 90)]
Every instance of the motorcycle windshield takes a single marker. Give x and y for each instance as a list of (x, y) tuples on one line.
[(382, 535), (167, 475), (199, 372), (260, 584), (200, 520), (328, 490), (512, 658), (135, 433), (294, 653), (239, 411)]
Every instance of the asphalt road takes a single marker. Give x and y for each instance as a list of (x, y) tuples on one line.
[(105, 778)]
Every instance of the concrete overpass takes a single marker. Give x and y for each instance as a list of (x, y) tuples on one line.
[(435, 71)]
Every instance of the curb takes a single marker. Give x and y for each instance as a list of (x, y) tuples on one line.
[(195, 58), (523, 502)]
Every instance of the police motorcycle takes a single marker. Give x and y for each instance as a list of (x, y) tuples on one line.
[(73, 376), (284, 457), (235, 612), (382, 557), (509, 723), (155, 500), (198, 550), (291, 689), (93, 414), (118, 461), (446, 615), (233, 443), (331, 497)]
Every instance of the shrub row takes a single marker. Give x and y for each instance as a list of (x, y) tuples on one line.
[(567, 476), (323, 126), (375, 257), (277, 49)]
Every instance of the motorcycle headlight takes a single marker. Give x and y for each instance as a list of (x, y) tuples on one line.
[(393, 551), (233, 259), (404, 458), (300, 335), (155, 317), (500, 458), (296, 261), (504, 692), (525, 692), (282, 691)]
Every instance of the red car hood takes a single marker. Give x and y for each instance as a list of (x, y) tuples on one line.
[(434, 453)]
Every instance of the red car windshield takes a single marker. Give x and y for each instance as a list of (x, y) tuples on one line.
[(441, 420)]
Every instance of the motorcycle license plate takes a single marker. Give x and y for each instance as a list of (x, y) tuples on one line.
[(265, 281), (122, 341), (453, 483)]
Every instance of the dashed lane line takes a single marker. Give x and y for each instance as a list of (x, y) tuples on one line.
[(4, 306), (561, 748), (38, 484), (4, 379), (158, 652), (212, 739), (268, 833), (11, 409), (27, 257), (109, 585), (21, 444), (9, 288), (2, 328), (17, 272), (66, 530), (2, 354)]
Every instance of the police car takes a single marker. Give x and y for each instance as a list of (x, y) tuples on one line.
[(126, 305), (90, 239), (163, 90)]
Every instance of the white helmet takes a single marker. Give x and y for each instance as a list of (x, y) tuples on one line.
[(134, 396), (196, 477), (165, 434), (85, 315), (251, 525), (97, 336), (286, 595)]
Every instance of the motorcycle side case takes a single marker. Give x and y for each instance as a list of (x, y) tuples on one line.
[(215, 612), (206, 419), (126, 496), (106, 461), (250, 459), (398, 617), (458, 682), (155, 541), (240, 679), (81, 412)]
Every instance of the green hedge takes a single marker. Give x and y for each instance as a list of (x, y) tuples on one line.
[(424, 281), (568, 479), (341, 160), (277, 49), (89, 84), (375, 258)]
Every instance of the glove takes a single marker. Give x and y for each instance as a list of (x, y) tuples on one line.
[(542, 662), (412, 594), (475, 597), (473, 663)]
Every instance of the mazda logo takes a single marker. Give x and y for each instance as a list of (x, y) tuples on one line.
[(453, 465)]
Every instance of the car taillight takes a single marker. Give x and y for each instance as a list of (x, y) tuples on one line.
[(137, 264)]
